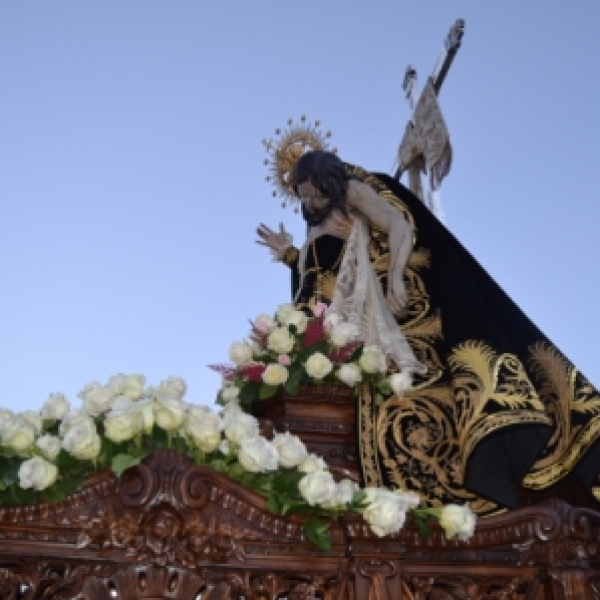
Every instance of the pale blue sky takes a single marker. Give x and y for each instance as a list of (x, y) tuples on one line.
[(131, 176)]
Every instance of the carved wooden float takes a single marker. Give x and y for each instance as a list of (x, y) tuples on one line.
[(169, 529)]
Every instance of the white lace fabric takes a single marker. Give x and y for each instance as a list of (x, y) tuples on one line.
[(358, 298)]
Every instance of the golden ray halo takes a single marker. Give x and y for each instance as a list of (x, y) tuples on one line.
[(285, 149)]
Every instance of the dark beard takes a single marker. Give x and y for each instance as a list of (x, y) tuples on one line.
[(316, 217)]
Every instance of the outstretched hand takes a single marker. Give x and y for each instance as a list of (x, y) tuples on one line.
[(275, 241)]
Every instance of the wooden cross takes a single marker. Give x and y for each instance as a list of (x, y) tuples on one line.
[(451, 45)]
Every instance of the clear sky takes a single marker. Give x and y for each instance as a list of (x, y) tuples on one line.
[(131, 175)]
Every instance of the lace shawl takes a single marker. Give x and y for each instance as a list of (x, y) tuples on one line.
[(358, 298)]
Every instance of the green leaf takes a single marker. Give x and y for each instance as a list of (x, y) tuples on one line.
[(267, 391), (296, 373), (317, 531), (122, 462), (249, 392)]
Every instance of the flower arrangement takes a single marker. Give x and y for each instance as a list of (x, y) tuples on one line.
[(292, 348), (46, 455)]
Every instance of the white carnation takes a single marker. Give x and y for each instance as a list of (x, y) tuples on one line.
[(349, 374), (49, 445), (257, 455), (55, 407), (458, 521), (291, 449), (240, 353), (5, 416), (372, 360), (317, 487), (275, 374), (331, 321), (318, 366), (37, 473)]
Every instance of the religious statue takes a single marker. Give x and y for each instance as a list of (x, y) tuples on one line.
[(493, 413)]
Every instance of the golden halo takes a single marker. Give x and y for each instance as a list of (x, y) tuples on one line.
[(285, 150)]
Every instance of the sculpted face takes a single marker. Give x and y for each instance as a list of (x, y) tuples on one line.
[(315, 206)]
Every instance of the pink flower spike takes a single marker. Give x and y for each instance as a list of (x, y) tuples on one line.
[(319, 308), (284, 360)]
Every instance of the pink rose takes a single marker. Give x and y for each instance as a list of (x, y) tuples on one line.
[(284, 360)]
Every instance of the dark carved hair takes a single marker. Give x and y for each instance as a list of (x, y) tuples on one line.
[(327, 173)]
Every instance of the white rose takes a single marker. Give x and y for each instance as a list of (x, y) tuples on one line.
[(275, 374), (240, 353), (18, 434), (240, 426), (5, 416), (33, 418), (224, 447), (145, 408), (317, 487), (55, 407), (349, 374), (318, 366), (311, 464), (257, 455), (83, 441), (386, 510), (97, 399), (264, 323), (458, 521), (298, 319), (203, 426), (344, 492), (49, 445), (401, 382), (230, 392), (291, 449), (131, 386), (169, 413), (123, 422), (284, 311), (343, 333), (230, 412), (37, 473), (72, 418), (172, 387), (280, 340), (372, 360)]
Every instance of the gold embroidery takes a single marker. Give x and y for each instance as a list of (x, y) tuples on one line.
[(570, 400), (325, 285)]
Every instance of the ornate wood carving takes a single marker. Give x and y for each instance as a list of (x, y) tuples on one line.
[(170, 529)]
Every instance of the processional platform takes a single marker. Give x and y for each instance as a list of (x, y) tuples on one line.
[(170, 529)]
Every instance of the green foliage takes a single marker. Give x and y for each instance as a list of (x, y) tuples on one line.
[(317, 531), (121, 462)]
